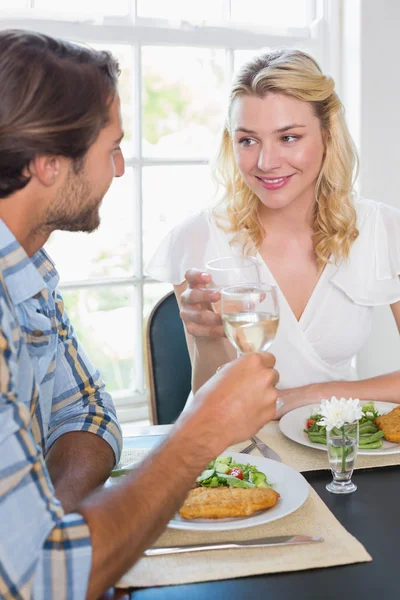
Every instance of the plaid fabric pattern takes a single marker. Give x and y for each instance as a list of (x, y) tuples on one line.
[(48, 387)]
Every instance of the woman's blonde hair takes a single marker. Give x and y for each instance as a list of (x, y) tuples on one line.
[(294, 73)]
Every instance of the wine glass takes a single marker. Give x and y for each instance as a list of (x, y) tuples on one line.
[(231, 270), (250, 317)]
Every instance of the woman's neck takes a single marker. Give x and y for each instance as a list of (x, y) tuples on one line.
[(296, 218)]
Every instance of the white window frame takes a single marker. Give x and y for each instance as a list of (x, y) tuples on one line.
[(322, 37)]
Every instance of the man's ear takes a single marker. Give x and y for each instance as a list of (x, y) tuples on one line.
[(46, 169)]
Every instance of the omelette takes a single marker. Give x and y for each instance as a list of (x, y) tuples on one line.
[(222, 502)]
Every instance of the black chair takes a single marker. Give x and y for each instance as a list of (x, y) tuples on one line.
[(168, 367)]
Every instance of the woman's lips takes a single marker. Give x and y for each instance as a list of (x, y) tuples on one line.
[(275, 183)]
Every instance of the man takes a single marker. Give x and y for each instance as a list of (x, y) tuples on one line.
[(60, 130)]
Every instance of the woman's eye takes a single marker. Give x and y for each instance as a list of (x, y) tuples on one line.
[(290, 138), (245, 142)]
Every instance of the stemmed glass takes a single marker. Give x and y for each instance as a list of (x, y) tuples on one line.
[(231, 270), (250, 317)]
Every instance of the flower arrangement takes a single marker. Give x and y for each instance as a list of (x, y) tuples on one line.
[(341, 418), (336, 413)]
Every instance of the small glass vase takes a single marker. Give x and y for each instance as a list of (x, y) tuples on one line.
[(342, 453)]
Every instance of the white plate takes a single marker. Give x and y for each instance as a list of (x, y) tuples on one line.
[(292, 487), (294, 422)]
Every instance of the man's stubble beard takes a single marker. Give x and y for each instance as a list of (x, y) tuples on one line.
[(74, 209)]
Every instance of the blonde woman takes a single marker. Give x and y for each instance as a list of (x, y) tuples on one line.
[(287, 165)]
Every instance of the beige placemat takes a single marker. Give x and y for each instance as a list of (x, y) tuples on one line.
[(313, 518), (302, 458)]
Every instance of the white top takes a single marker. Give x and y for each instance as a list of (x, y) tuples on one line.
[(336, 322)]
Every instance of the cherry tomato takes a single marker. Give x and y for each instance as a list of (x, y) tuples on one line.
[(236, 472), (310, 422)]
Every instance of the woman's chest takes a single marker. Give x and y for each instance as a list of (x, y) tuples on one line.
[(328, 322), (296, 274)]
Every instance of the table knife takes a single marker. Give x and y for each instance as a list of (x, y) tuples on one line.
[(283, 540), (266, 450)]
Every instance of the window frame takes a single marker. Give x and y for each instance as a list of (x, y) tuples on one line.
[(322, 36)]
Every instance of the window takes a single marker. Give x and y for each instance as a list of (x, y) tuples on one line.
[(177, 59)]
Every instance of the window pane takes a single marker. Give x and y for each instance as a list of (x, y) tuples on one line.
[(181, 9), (106, 252), (169, 195), (124, 56), (270, 13), (11, 4), (183, 101), (102, 7), (102, 319)]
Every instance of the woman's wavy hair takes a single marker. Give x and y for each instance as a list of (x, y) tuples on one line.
[(55, 99), (294, 73)]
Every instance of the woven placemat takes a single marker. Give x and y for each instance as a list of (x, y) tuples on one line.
[(303, 458), (313, 518)]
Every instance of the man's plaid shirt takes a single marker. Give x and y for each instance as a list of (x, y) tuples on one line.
[(48, 387)]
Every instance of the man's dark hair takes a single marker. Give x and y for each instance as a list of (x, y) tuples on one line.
[(54, 99)]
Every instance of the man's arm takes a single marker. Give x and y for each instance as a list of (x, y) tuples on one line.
[(126, 519), (78, 462), (73, 550), (84, 436)]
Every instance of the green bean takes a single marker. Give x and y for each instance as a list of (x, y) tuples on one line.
[(372, 446), (371, 437), (368, 428), (317, 439)]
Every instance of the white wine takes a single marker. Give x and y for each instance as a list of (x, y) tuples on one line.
[(250, 332)]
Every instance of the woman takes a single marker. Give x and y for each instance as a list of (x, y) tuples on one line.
[(286, 163)]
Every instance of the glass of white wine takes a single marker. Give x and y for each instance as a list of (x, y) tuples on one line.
[(231, 270), (250, 317)]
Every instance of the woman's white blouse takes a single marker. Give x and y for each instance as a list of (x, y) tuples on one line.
[(336, 322)]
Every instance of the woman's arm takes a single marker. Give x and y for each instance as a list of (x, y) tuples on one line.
[(383, 387), (205, 337)]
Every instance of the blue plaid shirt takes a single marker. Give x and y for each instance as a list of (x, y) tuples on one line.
[(48, 387)]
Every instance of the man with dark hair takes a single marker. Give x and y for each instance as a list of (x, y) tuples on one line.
[(60, 130)]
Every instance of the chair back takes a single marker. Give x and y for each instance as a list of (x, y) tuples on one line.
[(168, 368)]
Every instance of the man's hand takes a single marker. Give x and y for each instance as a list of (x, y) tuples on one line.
[(196, 312), (235, 403)]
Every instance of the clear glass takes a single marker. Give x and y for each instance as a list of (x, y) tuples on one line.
[(269, 13), (342, 453), (102, 318), (108, 251), (250, 317), (231, 270), (183, 101), (170, 194), (181, 9), (100, 7)]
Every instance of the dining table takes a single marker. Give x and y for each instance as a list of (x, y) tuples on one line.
[(371, 515)]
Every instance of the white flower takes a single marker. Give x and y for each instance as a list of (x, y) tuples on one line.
[(336, 412)]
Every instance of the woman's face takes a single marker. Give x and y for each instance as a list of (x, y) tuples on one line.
[(278, 147)]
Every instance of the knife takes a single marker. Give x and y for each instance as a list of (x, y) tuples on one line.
[(266, 450), (283, 540)]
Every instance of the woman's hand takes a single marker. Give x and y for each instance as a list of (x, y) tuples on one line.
[(195, 301), (298, 396)]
